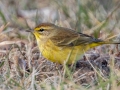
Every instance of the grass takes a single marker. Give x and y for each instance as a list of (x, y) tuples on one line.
[(22, 67)]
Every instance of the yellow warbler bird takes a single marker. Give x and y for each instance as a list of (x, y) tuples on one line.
[(63, 45)]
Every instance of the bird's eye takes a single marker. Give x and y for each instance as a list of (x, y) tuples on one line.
[(41, 30)]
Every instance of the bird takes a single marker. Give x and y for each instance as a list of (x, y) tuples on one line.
[(63, 45)]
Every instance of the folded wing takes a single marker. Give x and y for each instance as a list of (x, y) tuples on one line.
[(72, 38)]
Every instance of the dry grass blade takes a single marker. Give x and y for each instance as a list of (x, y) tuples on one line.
[(22, 67), (9, 42), (3, 27), (111, 37), (96, 27), (101, 24)]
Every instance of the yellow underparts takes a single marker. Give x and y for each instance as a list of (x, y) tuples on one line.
[(63, 54)]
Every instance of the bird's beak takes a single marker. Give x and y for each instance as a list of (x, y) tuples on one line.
[(29, 30)]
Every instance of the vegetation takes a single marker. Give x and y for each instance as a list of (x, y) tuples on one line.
[(22, 67)]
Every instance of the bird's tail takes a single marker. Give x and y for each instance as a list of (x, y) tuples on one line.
[(108, 42), (92, 45)]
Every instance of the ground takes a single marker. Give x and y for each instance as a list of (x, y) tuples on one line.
[(23, 67)]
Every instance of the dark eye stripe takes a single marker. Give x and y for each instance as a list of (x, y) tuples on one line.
[(41, 30)]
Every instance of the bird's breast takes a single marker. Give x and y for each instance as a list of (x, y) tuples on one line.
[(59, 54)]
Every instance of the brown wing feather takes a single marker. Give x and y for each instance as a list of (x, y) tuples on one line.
[(64, 39), (85, 39), (71, 38)]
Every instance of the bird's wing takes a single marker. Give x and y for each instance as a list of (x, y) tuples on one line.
[(86, 39), (72, 38)]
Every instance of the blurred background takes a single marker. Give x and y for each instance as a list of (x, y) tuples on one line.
[(85, 16), (19, 55)]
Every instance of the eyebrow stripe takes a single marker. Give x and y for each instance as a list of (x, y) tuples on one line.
[(37, 29)]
